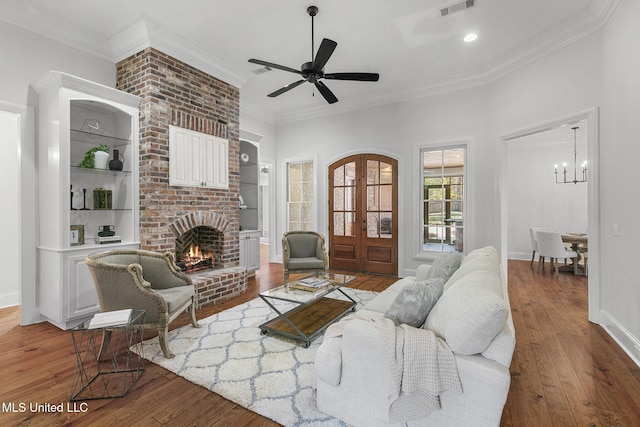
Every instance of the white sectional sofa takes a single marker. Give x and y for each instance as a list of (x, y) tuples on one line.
[(356, 383)]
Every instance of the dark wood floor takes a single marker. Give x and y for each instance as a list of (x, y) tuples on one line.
[(565, 371)]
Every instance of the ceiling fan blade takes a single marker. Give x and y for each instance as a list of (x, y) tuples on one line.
[(360, 77), (324, 53), (286, 88), (326, 93), (276, 66)]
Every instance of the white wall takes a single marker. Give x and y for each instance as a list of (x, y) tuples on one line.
[(27, 56), (534, 199), (620, 151), (9, 175)]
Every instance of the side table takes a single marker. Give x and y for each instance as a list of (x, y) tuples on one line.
[(106, 365)]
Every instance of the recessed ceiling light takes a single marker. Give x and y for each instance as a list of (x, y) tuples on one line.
[(470, 37)]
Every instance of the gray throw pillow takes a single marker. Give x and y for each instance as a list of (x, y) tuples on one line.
[(444, 265), (415, 301)]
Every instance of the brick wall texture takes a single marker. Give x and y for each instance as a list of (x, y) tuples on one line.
[(175, 93)]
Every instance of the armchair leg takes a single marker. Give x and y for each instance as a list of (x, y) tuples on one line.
[(162, 336), (192, 315)]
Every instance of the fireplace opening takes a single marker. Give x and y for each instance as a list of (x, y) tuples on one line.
[(198, 249)]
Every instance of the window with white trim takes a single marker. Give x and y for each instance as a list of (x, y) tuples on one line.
[(300, 196), (442, 207)]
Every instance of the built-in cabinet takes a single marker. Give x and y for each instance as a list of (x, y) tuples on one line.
[(197, 159), (249, 206), (250, 250), (84, 206)]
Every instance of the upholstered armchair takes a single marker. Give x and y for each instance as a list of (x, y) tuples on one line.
[(144, 280), (303, 251)]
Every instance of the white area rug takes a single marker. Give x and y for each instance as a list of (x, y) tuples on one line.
[(272, 376)]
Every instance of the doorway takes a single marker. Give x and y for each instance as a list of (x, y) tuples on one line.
[(363, 214), (591, 120)]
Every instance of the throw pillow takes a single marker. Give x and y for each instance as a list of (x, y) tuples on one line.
[(444, 266), (414, 302), (470, 313)]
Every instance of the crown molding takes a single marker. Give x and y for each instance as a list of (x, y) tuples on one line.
[(142, 32)]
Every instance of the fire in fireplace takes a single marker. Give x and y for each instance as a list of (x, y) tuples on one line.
[(195, 259), (196, 249)]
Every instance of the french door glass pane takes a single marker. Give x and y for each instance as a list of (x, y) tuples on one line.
[(386, 197), (338, 224), (338, 176), (338, 199)]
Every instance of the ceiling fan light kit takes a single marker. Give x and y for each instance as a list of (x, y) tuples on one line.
[(313, 70)]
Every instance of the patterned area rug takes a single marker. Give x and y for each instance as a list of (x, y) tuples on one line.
[(272, 376)]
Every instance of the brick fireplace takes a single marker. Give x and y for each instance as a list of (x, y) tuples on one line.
[(174, 93)]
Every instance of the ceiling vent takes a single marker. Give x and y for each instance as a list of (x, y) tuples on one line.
[(262, 70), (457, 7)]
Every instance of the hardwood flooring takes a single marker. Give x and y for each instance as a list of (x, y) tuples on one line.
[(565, 371)]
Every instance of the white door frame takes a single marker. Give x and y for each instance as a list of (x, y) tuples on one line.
[(592, 116), (26, 211)]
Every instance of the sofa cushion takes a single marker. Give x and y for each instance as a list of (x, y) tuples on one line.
[(470, 313), (383, 300), (176, 297), (414, 302), (307, 263), (444, 265), (472, 265)]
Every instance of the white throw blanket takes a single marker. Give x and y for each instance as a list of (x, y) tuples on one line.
[(422, 365)]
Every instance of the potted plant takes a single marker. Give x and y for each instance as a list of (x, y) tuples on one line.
[(88, 161)]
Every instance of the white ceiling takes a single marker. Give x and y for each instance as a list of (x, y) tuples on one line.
[(415, 50)]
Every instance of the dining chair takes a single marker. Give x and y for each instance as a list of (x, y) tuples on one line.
[(534, 242), (550, 245)]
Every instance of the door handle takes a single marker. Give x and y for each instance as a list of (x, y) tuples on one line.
[(364, 225)]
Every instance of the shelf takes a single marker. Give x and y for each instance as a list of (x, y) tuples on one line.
[(93, 171), (81, 136), (101, 210)]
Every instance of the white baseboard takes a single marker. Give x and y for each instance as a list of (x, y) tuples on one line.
[(629, 343), (9, 299)]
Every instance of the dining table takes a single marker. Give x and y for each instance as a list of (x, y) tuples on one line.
[(579, 244)]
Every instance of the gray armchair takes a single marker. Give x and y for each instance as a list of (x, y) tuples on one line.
[(147, 281), (303, 251)]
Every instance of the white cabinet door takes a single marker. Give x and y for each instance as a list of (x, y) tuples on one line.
[(83, 299), (250, 250), (197, 159)]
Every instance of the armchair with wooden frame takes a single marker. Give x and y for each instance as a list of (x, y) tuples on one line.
[(144, 280), (303, 251)]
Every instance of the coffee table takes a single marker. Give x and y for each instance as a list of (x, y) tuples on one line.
[(313, 310)]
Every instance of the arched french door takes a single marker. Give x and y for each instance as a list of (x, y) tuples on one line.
[(363, 214)]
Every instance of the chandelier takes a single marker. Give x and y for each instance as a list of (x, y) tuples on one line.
[(575, 166)]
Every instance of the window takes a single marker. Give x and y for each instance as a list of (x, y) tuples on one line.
[(442, 207), (300, 196)]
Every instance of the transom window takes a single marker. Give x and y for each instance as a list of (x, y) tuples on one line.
[(442, 207)]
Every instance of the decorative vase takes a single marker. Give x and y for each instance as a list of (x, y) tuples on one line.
[(116, 164), (101, 158)]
